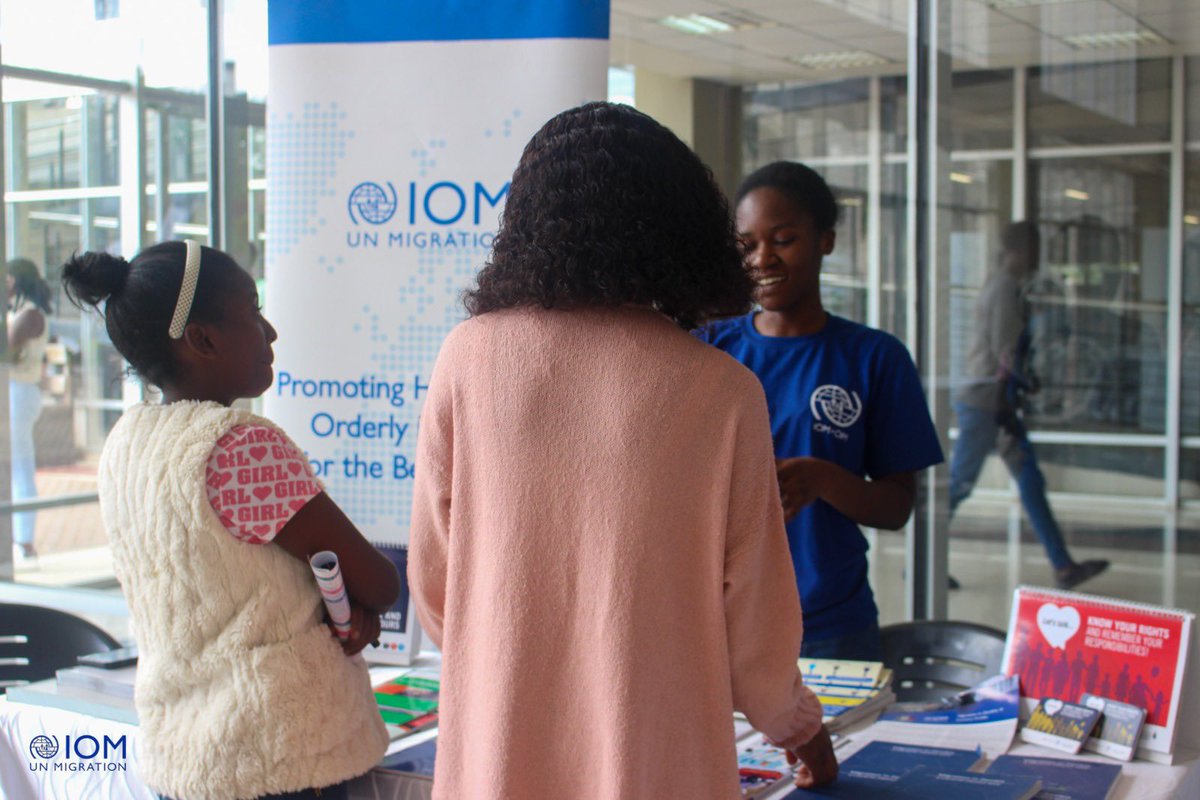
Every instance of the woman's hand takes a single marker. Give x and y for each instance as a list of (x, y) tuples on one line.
[(800, 482), (818, 764), (364, 630)]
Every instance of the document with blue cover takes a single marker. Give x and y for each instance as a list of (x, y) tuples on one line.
[(1062, 779), (926, 782), (984, 716), (882, 770)]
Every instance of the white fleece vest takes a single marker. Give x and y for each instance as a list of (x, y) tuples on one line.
[(241, 690)]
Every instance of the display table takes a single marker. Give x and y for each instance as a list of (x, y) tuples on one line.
[(116, 778), (22, 724), (1140, 780)]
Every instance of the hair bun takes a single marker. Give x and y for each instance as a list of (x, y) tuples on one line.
[(94, 276)]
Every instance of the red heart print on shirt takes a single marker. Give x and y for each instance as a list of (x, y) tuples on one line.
[(257, 480)]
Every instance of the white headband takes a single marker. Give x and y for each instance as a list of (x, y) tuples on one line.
[(187, 290)]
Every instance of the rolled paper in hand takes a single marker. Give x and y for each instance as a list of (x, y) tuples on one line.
[(329, 580)]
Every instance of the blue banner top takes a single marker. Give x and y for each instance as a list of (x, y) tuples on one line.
[(345, 21)]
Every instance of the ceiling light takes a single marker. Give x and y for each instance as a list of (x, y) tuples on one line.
[(697, 24), (1096, 41), (1077, 194), (1024, 3), (741, 20), (961, 177), (1191, 219), (840, 59)]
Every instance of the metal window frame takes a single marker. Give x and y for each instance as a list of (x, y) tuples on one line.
[(134, 98)]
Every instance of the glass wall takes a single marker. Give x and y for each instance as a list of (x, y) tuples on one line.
[(1030, 123), (1189, 487), (107, 146), (1027, 112), (854, 132)]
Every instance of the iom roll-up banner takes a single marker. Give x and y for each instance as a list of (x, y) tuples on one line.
[(393, 127)]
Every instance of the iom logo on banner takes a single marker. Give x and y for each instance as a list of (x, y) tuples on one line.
[(433, 214), (370, 202)]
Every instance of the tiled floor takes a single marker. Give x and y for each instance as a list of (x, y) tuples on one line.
[(1153, 561)]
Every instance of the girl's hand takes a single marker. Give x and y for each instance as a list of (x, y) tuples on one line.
[(799, 483), (364, 630)]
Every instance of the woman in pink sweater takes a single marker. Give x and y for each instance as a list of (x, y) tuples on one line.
[(597, 540)]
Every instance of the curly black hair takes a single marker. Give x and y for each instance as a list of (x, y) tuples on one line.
[(608, 207), (801, 184)]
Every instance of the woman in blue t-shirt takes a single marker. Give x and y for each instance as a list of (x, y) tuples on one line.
[(848, 414)]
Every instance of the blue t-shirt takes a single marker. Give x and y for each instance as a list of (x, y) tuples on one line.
[(847, 394)]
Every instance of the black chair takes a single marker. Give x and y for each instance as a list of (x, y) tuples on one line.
[(35, 642), (934, 658)]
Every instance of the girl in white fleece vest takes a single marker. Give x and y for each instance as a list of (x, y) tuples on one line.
[(243, 691)]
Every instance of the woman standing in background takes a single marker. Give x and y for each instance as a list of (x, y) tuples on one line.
[(28, 332)]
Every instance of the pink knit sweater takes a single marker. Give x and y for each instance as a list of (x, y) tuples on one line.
[(597, 546)]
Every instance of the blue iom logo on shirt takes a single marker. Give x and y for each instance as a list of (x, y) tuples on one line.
[(834, 409)]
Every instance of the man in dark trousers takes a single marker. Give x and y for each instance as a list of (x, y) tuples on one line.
[(988, 404)]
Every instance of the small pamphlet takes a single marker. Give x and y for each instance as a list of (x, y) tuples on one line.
[(984, 716), (847, 690), (113, 682), (1060, 725), (400, 634), (1062, 779), (409, 702), (761, 766), (1120, 726)]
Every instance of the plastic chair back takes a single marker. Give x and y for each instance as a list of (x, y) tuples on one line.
[(35, 642), (934, 658)]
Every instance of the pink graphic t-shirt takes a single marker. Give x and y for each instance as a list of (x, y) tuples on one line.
[(257, 481)]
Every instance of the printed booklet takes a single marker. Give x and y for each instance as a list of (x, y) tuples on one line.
[(1066, 645), (848, 690), (1120, 726), (1062, 779), (895, 771), (761, 766), (408, 703), (895, 758), (399, 634), (984, 716), (1059, 725)]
